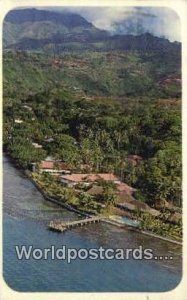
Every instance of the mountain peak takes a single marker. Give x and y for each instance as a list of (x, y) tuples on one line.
[(31, 29), (67, 19)]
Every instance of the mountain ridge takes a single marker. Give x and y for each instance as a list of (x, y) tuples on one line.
[(32, 29), (33, 15)]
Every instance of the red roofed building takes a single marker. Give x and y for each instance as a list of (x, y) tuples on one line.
[(74, 179), (54, 167), (45, 165)]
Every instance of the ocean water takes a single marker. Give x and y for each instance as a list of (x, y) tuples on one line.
[(25, 219)]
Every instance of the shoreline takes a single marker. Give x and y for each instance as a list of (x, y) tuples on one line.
[(104, 219), (83, 213)]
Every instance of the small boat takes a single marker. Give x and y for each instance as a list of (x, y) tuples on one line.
[(125, 221)]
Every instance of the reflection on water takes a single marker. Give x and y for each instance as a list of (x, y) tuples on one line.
[(26, 215)]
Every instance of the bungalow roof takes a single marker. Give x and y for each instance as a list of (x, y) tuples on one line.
[(52, 165), (90, 177)]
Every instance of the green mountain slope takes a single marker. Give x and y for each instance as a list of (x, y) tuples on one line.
[(99, 97), (116, 74), (31, 29), (44, 26)]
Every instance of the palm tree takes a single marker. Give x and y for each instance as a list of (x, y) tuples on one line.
[(117, 138)]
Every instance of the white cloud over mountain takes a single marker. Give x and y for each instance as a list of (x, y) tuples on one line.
[(160, 21)]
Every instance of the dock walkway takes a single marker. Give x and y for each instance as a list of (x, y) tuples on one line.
[(63, 226)]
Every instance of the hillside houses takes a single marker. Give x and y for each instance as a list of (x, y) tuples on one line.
[(75, 179), (126, 201), (121, 189), (54, 167), (69, 179)]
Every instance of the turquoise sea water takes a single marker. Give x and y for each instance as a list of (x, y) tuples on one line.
[(26, 216)]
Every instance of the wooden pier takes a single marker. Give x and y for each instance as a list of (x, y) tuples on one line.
[(63, 226)]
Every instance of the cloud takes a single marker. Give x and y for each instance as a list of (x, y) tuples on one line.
[(135, 20), (104, 18), (158, 21), (166, 23)]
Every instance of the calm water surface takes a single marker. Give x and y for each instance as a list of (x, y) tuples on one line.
[(26, 216)]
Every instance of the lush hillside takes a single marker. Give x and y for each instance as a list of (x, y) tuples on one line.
[(99, 97), (102, 134), (123, 92), (105, 74), (32, 28)]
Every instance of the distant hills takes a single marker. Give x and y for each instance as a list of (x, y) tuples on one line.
[(32, 29), (33, 15)]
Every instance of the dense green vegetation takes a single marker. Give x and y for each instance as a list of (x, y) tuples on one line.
[(107, 74), (82, 108), (86, 97), (92, 99), (77, 198), (160, 227), (165, 224)]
